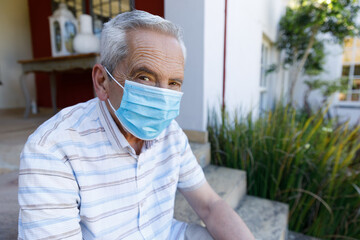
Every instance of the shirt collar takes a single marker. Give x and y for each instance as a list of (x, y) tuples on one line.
[(112, 131)]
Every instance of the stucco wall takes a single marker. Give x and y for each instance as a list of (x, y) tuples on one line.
[(190, 16), (249, 23), (345, 111), (203, 23), (332, 71), (15, 44), (270, 14), (244, 37), (213, 54)]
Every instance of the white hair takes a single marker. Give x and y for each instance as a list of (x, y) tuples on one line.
[(113, 44)]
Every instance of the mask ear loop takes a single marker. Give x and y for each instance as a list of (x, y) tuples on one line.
[(114, 78), (111, 105), (109, 100), (117, 84)]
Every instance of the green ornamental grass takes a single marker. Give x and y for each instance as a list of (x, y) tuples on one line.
[(307, 162)]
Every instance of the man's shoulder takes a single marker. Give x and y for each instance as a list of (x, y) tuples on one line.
[(70, 119), (173, 135), (172, 129)]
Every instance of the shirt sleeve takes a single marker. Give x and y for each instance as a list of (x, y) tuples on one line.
[(48, 196), (191, 175)]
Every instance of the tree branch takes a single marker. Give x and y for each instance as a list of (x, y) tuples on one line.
[(301, 64)]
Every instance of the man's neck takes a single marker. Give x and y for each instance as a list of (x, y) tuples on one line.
[(134, 142)]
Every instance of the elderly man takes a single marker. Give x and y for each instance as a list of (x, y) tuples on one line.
[(109, 168)]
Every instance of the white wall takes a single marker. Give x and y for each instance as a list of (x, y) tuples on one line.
[(244, 36), (15, 44), (248, 23), (270, 14), (213, 53), (202, 22), (345, 111), (190, 16), (332, 71)]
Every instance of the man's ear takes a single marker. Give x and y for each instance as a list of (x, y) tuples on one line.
[(100, 82)]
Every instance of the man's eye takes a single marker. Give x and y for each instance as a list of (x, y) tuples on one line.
[(175, 84), (144, 78)]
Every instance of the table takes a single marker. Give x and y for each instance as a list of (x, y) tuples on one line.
[(52, 65)]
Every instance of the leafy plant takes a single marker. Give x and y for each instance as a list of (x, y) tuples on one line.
[(302, 27), (309, 163), (327, 89)]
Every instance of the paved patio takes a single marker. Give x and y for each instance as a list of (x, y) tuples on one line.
[(14, 130)]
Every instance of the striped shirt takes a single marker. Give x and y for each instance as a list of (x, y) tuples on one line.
[(80, 179)]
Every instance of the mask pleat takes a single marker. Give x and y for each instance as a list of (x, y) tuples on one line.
[(146, 111)]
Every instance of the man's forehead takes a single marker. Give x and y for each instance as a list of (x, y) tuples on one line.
[(151, 38), (149, 47)]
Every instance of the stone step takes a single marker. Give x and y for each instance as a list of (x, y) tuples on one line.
[(230, 184), (202, 152), (267, 220)]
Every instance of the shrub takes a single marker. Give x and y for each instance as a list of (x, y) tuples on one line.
[(306, 162)]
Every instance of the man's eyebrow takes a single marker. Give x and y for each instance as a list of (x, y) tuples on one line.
[(149, 71), (143, 69)]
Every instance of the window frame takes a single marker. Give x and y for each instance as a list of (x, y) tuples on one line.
[(87, 8), (265, 62), (352, 65)]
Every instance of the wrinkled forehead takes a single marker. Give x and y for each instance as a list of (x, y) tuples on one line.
[(142, 41)]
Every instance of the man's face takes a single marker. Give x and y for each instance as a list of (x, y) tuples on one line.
[(154, 59)]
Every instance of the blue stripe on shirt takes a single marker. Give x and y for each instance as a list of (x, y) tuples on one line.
[(38, 156), (71, 143), (126, 221), (83, 117), (30, 190), (119, 196), (106, 172), (47, 222)]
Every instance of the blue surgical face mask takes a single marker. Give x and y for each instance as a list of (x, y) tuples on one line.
[(145, 111)]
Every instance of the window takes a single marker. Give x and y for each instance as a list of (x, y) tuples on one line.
[(265, 59), (77, 7), (106, 9), (100, 10), (103, 10), (351, 69)]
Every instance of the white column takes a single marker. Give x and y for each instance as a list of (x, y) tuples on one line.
[(244, 37), (202, 22)]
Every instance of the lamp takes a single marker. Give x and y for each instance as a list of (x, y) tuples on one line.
[(63, 28)]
